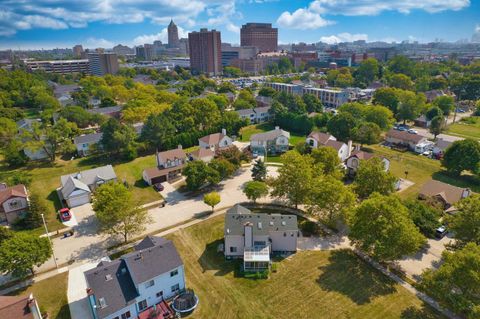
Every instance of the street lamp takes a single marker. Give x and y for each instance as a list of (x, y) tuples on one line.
[(49, 240)]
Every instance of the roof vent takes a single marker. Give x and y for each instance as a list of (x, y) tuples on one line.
[(259, 225), (283, 223), (271, 223), (108, 277)]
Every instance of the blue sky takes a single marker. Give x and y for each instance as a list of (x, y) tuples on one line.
[(104, 23)]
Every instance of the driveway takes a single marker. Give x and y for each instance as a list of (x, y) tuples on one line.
[(323, 243), (79, 214)]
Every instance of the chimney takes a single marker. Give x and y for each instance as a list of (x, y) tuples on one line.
[(224, 131), (466, 192), (180, 146)]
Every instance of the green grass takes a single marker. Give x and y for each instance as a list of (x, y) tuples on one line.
[(46, 179), (248, 131), (420, 170), (310, 284), (470, 129), (51, 295)]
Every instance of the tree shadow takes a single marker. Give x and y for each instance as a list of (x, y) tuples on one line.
[(213, 259), (347, 274), (53, 197), (419, 313)]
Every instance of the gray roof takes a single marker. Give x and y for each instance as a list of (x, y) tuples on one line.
[(71, 184), (149, 242), (263, 109), (105, 110), (237, 216), (118, 291), (270, 135), (88, 138), (61, 89), (92, 176), (150, 262), (245, 112)]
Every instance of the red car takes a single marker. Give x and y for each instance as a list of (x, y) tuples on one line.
[(65, 214)]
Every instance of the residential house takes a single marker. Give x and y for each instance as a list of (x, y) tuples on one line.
[(13, 203), (422, 121), (202, 154), (319, 139), (138, 282), (433, 94), (255, 237), (404, 139), (63, 93), (216, 141), (262, 114), (85, 142), (275, 141), (110, 111), (247, 114), (77, 188), (169, 166), (19, 307), (27, 125), (445, 194), (263, 101), (354, 161), (442, 143)]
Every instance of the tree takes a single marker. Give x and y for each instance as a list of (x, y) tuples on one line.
[(5, 233), (232, 71), (367, 71), (199, 174), (118, 211), (462, 156), (233, 155), (380, 115), (466, 222), (223, 167), (259, 171), (206, 113), (367, 133), (294, 181), (212, 199), (19, 177), (313, 103), (157, 131), (402, 64), (446, 103), (33, 218), (22, 252), (387, 97), (410, 106), (434, 111), (328, 161), (331, 200), (8, 131), (424, 216), (371, 177), (226, 87), (401, 81), (341, 126), (255, 189), (381, 227), (267, 91), (437, 125), (118, 138), (13, 154), (107, 102), (456, 283)]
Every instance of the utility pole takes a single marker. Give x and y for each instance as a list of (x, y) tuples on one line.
[(50, 241)]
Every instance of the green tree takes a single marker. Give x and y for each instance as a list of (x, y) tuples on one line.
[(231, 71), (199, 174), (226, 87), (267, 91), (224, 168), (312, 103), (446, 103), (456, 283), (410, 106), (206, 113), (367, 133), (381, 227), (118, 138), (19, 177), (466, 222), (21, 253), (326, 158), (259, 171), (157, 130), (387, 97), (424, 216), (33, 218), (13, 154), (8, 131), (462, 156), (434, 111), (212, 199), (402, 64), (380, 115), (118, 212), (437, 125), (367, 71), (401, 81), (255, 190), (341, 126), (107, 102), (371, 177), (331, 200), (5, 233), (295, 178)]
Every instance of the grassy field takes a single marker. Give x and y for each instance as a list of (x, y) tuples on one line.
[(248, 131), (51, 295), (421, 169), (317, 284), (470, 129), (46, 179)]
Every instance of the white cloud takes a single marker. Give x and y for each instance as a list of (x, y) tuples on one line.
[(162, 36), (477, 28), (93, 43), (344, 37), (302, 19)]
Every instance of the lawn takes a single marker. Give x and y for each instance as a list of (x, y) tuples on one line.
[(51, 295), (248, 131), (421, 169), (318, 284), (46, 179), (466, 129)]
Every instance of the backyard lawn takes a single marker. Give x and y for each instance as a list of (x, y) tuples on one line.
[(46, 179), (51, 295), (466, 129), (311, 284), (248, 131)]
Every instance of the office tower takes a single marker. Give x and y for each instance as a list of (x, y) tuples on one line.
[(205, 51), (260, 35), (173, 41), (77, 51), (103, 63), (149, 52)]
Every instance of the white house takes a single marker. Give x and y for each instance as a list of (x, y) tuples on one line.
[(215, 141), (13, 203), (318, 139), (85, 142), (354, 161), (405, 139), (77, 188), (247, 114), (275, 141), (254, 237), (136, 282)]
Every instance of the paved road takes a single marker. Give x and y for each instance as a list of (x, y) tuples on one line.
[(425, 132)]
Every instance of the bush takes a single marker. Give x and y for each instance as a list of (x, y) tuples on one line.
[(257, 275)]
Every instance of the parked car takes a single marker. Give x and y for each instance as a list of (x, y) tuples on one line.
[(441, 231), (65, 214), (158, 187), (254, 154), (412, 131)]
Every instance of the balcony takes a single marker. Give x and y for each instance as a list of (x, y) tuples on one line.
[(160, 311)]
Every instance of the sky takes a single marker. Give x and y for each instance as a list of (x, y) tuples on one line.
[(36, 24)]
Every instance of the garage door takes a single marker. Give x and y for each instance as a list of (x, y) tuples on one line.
[(159, 179), (77, 201)]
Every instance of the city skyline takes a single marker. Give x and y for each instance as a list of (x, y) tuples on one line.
[(51, 24)]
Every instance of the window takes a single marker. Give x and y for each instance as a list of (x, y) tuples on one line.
[(159, 294), (126, 315), (150, 284), (175, 288), (142, 305), (14, 204), (258, 243), (174, 273), (85, 145), (233, 249)]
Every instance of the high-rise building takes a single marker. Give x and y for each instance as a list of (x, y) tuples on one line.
[(122, 50), (173, 41), (205, 51), (260, 35), (149, 52), (103, 63), (77, 51)]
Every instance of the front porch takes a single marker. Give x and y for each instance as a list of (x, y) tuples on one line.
[(256, 258)]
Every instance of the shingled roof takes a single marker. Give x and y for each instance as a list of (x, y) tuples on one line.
[(14, 191), (15, 307)]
